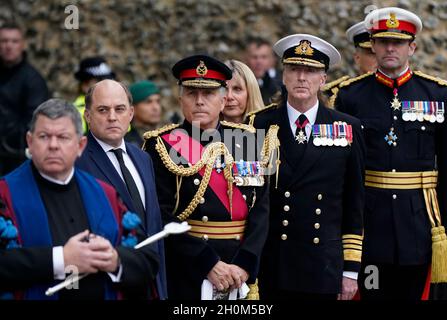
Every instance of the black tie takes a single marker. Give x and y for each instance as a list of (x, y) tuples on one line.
[(131, 186)]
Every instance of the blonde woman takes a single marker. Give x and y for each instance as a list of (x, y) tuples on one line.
[(243, 94)]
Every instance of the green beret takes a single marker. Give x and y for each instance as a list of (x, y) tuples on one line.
[(142, 89)]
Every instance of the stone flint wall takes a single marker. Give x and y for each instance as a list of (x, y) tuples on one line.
[(144, 38)]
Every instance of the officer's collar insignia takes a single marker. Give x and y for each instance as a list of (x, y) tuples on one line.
[(201, 69), (384, 79), (392, 22), (304, 48)]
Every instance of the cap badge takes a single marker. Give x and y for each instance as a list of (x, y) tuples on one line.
[(304, 48), (392, 22), (201, 69)]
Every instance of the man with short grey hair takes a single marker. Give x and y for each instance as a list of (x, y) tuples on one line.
[(57, 219), (226, 205)]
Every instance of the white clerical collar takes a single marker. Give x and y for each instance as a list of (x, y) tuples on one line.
[(56, 181), (405, 70), (107, 147), (310, 114)]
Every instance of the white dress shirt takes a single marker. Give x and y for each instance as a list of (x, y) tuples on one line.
[(310, 114), (129, 164)]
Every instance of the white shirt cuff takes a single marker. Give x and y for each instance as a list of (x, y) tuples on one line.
[(351, 275), (58, 263), (116, 277)]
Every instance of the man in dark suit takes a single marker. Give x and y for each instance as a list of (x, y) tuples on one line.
[(316, 200), (108, 157)]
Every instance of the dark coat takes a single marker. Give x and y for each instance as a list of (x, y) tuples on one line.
[(190, 259), (319, 199), (397, 229), (95, 161)]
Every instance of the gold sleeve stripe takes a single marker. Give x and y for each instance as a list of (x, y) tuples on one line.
[(352, 255), (349, 241), (352, 236), (352, 246)]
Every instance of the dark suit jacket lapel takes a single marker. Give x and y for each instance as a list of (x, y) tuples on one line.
[(312, 153), (140, 163), (103, 163)]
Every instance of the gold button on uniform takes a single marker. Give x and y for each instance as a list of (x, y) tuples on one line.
[(394, 196), (284, 236), (196, 182), (202, 200), (244, 196), (205, 219), (317, 225), (287, 194), (205, 237), (286, 208), (316, 240), (318, 211), (238, 237), (320, 196), (285, 223)]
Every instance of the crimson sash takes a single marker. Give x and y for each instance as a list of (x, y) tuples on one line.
[(192, 151)]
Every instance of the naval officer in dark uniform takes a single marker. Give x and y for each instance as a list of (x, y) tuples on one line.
[(225, 201), (314, 246), (402, 115)]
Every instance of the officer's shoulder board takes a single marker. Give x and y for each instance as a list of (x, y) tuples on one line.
[(353, 80), (155, 133), (333, 88), (345, 83), (242, 126), (439, 81), (331, 85), (252, 115)]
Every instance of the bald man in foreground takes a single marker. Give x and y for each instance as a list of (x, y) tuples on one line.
[(109, 158)]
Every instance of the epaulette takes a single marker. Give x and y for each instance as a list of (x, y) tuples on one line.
[(251, 115), (439, 81), (270, 106), (241, 126), (352, 80), (330, 85), (155, 133)]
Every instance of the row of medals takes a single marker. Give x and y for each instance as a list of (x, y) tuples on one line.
[(420, 116), (242, 178), (327, 141)]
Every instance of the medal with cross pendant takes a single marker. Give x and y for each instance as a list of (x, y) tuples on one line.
[(395, 104), (391, 138), (300, 137)]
